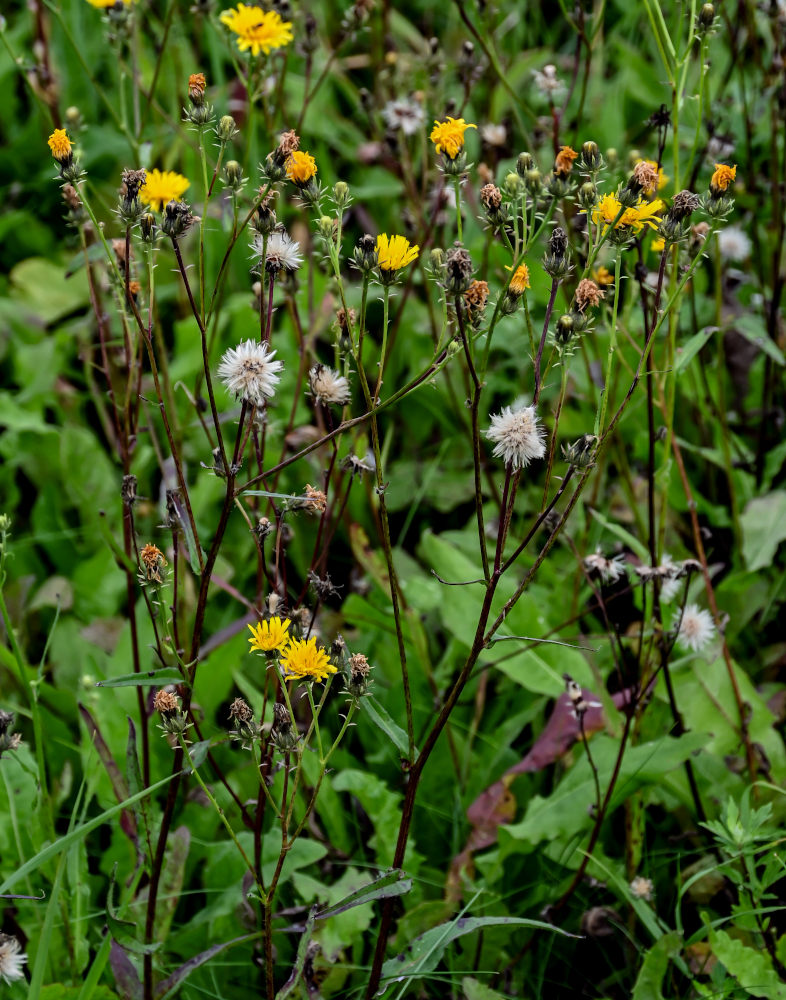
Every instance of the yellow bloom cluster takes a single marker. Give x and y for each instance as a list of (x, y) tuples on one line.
[(60, 144), (723, 176), (301, 167), (640, 215), (300, 658), (519, 283), (270, 635), (448, 136), (106, 3), (257, 30), (395, 252), (161, 187)]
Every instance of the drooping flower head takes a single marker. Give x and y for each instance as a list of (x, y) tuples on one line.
[(303, 659), (257, 30), (60, 145), (448, 136), (394, 252), (723, 176), (270, 635), (161, 187), (250, 372), (696, 628), (517, 435), (301, 167)]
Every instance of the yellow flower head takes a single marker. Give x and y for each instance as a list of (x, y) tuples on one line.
[(663, 180), (105, 3), (395, 252), (519, 283), (270, 635), (301, 167), (256, 29), (448, 136), (161, 187), (60, 145), (304, 659), (564, 161), (723, 176), (603, 276), (644, 213), (658, 245)]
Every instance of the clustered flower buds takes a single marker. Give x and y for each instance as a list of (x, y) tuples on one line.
[(581, 454), (177, 219)]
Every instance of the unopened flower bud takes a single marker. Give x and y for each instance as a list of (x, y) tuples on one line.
[(512, 185), (458, 269), (341, 195), (565, 330), (283, 734), (588, 195), (365, 254), (234, 174), (524, 163), (147, 226), (706, 16), (590, 159), (533, 180), (327, 227), (581, 453), (226, 129)]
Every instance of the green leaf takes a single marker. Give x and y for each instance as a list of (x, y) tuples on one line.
[(394, 883), (687, 353), (148, 678), (172, 983), (380, 717), (625, 536), (425, 953), (754, 331), (751, 968), (763, 525), (473, 990), (653, 969), (300, 957)]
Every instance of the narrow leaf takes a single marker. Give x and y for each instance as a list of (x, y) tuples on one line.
[(173, 982), (380, 717), (394, 883), (148, 678), (688, 352), (300, 957)]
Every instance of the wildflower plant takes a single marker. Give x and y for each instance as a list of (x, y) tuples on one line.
[(380, 458)]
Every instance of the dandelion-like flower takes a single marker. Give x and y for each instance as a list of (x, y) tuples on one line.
[(12, 958), (519, 283), (404, 114), (270, 635), (723, 176), (102, 4), (161, 187), (60, 145), (301, 167), (609, 570), (282, 253), (303, 659), (448, 136), (734, 243), (641, 214), (250, 372), (395, 252), (517, 435), (328, 386), (257, 30), (696, 628), (563, 164), (602, 276)]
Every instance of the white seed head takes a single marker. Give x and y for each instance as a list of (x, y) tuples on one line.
[(494, 135), (12, 958), (696, 628), (547, 81), (281, 252), (328, 386), (405, 114), (734, 243), (517, 435), (250, 372), (642, 888), (609, 570)]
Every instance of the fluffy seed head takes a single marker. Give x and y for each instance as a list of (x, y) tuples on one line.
[(250, 372), (328, 386), (517, 435), (696, 628), (12, 958), (282, 253)]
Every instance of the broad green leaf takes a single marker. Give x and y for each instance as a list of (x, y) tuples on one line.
[(753, 330), (380, 717), (653, 969), (474, 990), (763, 525), (686, 354), (172, 983), (752, 968)]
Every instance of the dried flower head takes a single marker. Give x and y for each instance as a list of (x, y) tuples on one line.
[(517, 435), (490, 197), (305, 660), (153, 561), (328, 386), (161, 187), (257, 30), (270, 635), (448, 136), (12, 958), (475, 299), (547, 81), (588, 294), (696, 628), (609, 570), (645, 173), (301, 168), (196, 87), (288, 142), (165, 701), (458, 269), (314, 501), (563, 164), (240, 711), (722, 177), (250, 372), (404, 114), (283, 734)]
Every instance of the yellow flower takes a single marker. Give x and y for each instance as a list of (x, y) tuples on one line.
[(60, 144), (270, 635), (644, 213), (723, 176), (256, 29), (603, 276), (304, 659), (161, 187), (519, 283), (105, 3), (663, 180), (301, 167), (658, 245), (448, 136), (395, 252)]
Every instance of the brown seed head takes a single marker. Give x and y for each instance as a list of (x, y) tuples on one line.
[(288, 143), (165, 702), (316, 500), (152, 559), (490, 197), (588, 294), (476, 297), (240, 711), (646, 176)]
